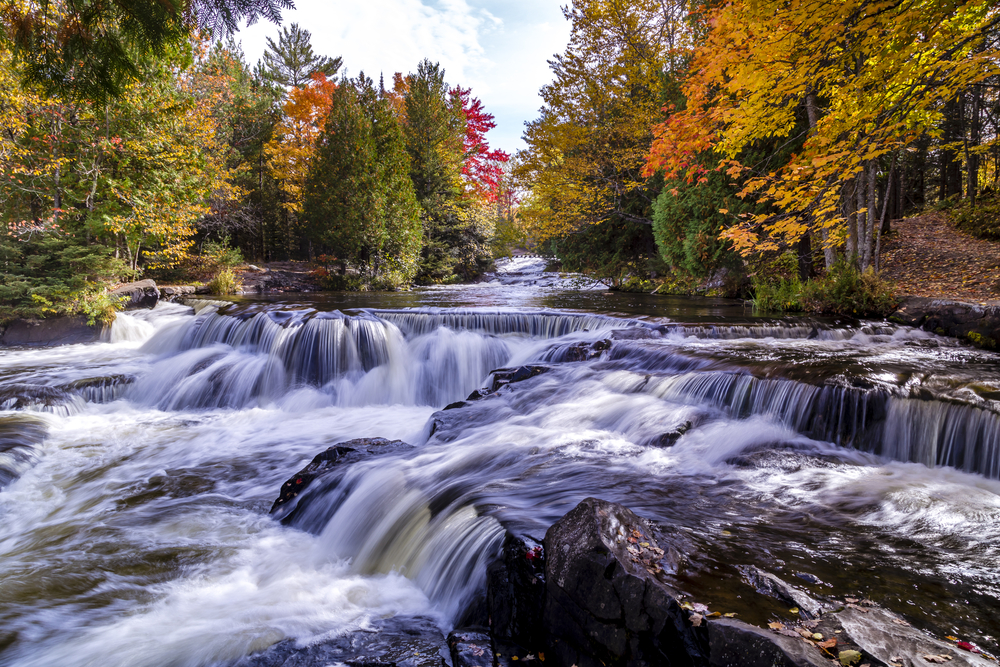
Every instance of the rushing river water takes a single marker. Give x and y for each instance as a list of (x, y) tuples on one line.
[(136, 475)]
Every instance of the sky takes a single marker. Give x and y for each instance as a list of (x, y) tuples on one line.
[(499, 48)]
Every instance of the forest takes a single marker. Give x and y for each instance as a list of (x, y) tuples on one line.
[(760, 149)]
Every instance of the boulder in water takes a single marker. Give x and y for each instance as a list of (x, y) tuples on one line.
[(323, 464), (64, 330), (605, 602), (733, 643), (768, 584), (140, 294), (470, 648), (515, 593)]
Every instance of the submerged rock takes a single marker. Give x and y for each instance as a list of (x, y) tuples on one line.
[(733, 643), (19, 437), (399, 642), (140, 294), (287, 504), (470, 648), (768, 584)]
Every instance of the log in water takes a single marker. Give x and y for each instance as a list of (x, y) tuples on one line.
[(862, 458)]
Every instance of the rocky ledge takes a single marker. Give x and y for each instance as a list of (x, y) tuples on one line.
[(978, 324)]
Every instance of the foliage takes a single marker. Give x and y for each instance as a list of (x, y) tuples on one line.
[(44, 270), (587, 149), (842, 290), (96, 50), (872, 78), (224, 282), (980, 218), (687, 224), (359, 203), (611, 252), (291, 62), (221, 253)]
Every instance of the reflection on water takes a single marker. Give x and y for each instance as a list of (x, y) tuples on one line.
[(134, 526)]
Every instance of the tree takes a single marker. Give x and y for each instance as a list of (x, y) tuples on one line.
[(291, 62), (871, 79), (482, 166), (586, 150), (93, 50), (359, 202)]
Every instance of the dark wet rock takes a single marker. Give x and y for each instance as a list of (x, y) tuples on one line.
[(733, 643), (635, 333), (980, 325), (100, 389), (579, 351), (882, 635), (605, 603), (289, 501), (503, 377), (770, 585), (176, 292), (456, 405), (20, 396), (670, 438), (515, 593), (470, 647), (394, 642), (279, 280), (140, 294), (64, 330), (19, 437)]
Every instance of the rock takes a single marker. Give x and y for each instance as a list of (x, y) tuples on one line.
[(503, 377), (19, 436), (635, 333), (140, 294), (579, 351), (470, 648), (768, 584), (733, 643), (604, 603), (980, 325), (397, 642), (884, 636), (202, 289), (515, 593), (289, 502), (22, 395), (175, 292), (63, 330), (670, 438)]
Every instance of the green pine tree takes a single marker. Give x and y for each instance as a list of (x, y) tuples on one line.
[(291, 62)]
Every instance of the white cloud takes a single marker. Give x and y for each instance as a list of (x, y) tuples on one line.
[(497, 47)]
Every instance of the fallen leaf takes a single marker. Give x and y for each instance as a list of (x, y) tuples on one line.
[(695, 619), (829, 643), (793, 610), (852, 600), (966, 646), (810, 624), (804, 633), (861, 609), (541, 657), (731, 614), (700, 608), (715, 614), (849, 657), (936, 658), (954, 639), (776, 626), (899, 621), (817, 636)]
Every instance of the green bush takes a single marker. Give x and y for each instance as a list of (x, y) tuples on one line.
[(845, 290), (221, 254), (224, 283), (981, 220)]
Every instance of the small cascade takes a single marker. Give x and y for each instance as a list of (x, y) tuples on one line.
[(842, 415), (537, 324), (129, 329), (390, 517), (939, 433), (781, 331)]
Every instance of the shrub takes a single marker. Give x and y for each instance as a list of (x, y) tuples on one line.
[(845, 290), (221, 254), (225, 282)]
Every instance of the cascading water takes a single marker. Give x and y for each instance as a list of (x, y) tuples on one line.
[(135, 475)]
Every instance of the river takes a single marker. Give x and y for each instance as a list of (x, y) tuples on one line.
[(856, 458)]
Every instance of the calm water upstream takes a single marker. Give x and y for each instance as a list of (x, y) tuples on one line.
[(136, 476)]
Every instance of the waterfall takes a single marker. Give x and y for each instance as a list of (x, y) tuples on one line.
[(537, 324)]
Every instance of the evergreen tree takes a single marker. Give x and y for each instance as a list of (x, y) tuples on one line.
[(359, 202), (435, 129), (291, 62)]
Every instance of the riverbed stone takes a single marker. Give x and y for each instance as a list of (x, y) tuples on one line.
[(770, 585), (61, 330), (515, 593), (140, 294), (605, 603), (394, 642), (470, 647), (978, 324), (292, 498), (885, 636), (733, 643)]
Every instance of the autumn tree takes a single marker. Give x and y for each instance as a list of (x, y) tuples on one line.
[(870, 80), (291, 63)]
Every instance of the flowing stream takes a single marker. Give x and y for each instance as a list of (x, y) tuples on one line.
[(855, 458)]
